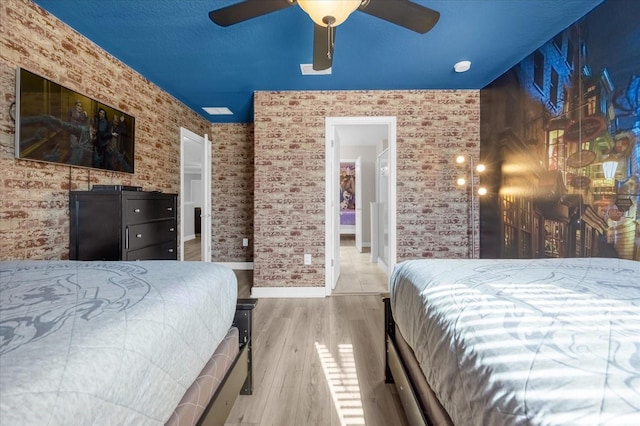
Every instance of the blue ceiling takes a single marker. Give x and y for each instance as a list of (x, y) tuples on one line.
[(175, 45)]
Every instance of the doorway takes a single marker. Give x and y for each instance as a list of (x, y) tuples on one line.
[(195, 199), (344, 136)]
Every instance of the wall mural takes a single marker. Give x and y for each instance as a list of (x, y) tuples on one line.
[(560, 134), (347, 193)]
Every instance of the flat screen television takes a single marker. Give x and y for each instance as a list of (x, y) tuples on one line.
[(58, 125)]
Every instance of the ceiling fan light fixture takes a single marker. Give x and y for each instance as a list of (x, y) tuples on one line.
[(322, 12)]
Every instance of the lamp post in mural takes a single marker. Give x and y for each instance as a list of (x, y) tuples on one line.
[(462, 181)]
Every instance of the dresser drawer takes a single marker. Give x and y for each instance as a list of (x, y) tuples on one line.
[(146, 234), (138, 210), (164, 251)]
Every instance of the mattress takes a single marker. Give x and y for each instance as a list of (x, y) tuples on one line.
[(197, 397), (107, 342), (525, 342)]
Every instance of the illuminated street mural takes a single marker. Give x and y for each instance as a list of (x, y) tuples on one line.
[(560, 135)]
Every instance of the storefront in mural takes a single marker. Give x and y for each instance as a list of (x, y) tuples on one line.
[(561, 133)]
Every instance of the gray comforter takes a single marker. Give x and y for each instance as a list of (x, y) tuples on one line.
[(525, 342), (87, 343)]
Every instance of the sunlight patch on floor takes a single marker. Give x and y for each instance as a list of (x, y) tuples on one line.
[(343, 383)]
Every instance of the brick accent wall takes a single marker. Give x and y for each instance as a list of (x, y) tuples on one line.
[(232, 192), (432, 213), (34, 196), (288, 154)]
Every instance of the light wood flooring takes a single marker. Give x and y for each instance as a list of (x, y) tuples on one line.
[(192, 249), (319, 361), (357, 274)]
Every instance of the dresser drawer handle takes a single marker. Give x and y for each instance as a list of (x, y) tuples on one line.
[(170, 209), (170, 250), (171, 229), (136, 210), (138, 235)]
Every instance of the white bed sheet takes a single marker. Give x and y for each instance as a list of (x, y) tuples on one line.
[(525, 342), (88, 343)]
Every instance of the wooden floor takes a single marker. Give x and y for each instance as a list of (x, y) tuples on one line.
[(357, 274), (319, 361), (192, 249)]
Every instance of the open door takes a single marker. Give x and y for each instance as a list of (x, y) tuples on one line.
[(205, 242), (335, 243), (332, 187), (359, 204), (195, 194)]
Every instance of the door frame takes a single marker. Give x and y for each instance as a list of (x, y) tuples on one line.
[(187, 136), (332, 215)]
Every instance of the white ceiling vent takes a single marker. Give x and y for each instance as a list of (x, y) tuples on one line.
[(307, 69), (218, 110)]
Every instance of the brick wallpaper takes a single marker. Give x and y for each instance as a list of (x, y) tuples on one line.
[(34, 196), (288, 154), (232, 192), (432, 213)]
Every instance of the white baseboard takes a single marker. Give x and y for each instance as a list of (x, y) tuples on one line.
[(190, 237), (287, 292), (240, 266)]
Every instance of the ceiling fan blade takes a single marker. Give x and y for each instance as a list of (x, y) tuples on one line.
[(402, 12), (248, 9), (323, 43)]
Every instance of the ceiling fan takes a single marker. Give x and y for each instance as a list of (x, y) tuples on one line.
[(328, 14)]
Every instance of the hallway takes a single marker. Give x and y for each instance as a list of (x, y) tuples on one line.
[(357, 274)]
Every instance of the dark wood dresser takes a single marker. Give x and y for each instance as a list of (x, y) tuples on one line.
[(122, 225)]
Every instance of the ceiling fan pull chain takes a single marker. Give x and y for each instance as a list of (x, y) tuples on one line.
[(330, 40)]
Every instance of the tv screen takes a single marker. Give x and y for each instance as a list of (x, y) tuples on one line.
[(57, 125)]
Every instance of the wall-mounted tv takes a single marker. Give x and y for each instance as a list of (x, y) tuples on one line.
[(57, 125)]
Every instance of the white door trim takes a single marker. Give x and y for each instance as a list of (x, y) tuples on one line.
[(331, 207)]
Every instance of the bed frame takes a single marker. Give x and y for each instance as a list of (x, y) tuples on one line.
[(420, 404), (239, 378)]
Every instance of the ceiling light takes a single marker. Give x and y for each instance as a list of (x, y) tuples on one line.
[(462, 66), (218, 110), (329, 12), (307, 69)]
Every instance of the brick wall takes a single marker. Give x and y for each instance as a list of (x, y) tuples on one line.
[(232, 192), (289, 158), (432, 213), (34, 196)]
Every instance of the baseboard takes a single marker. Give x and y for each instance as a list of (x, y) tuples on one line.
[(287, 292), (239, 266), (190, 237)]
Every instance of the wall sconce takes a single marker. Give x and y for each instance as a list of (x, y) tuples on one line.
[(609, 167), (462, 181)]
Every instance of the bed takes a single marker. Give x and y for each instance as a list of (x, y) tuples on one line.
[(127, 343), (515, 342)]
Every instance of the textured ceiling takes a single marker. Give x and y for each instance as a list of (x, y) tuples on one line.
[(174, 44)]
